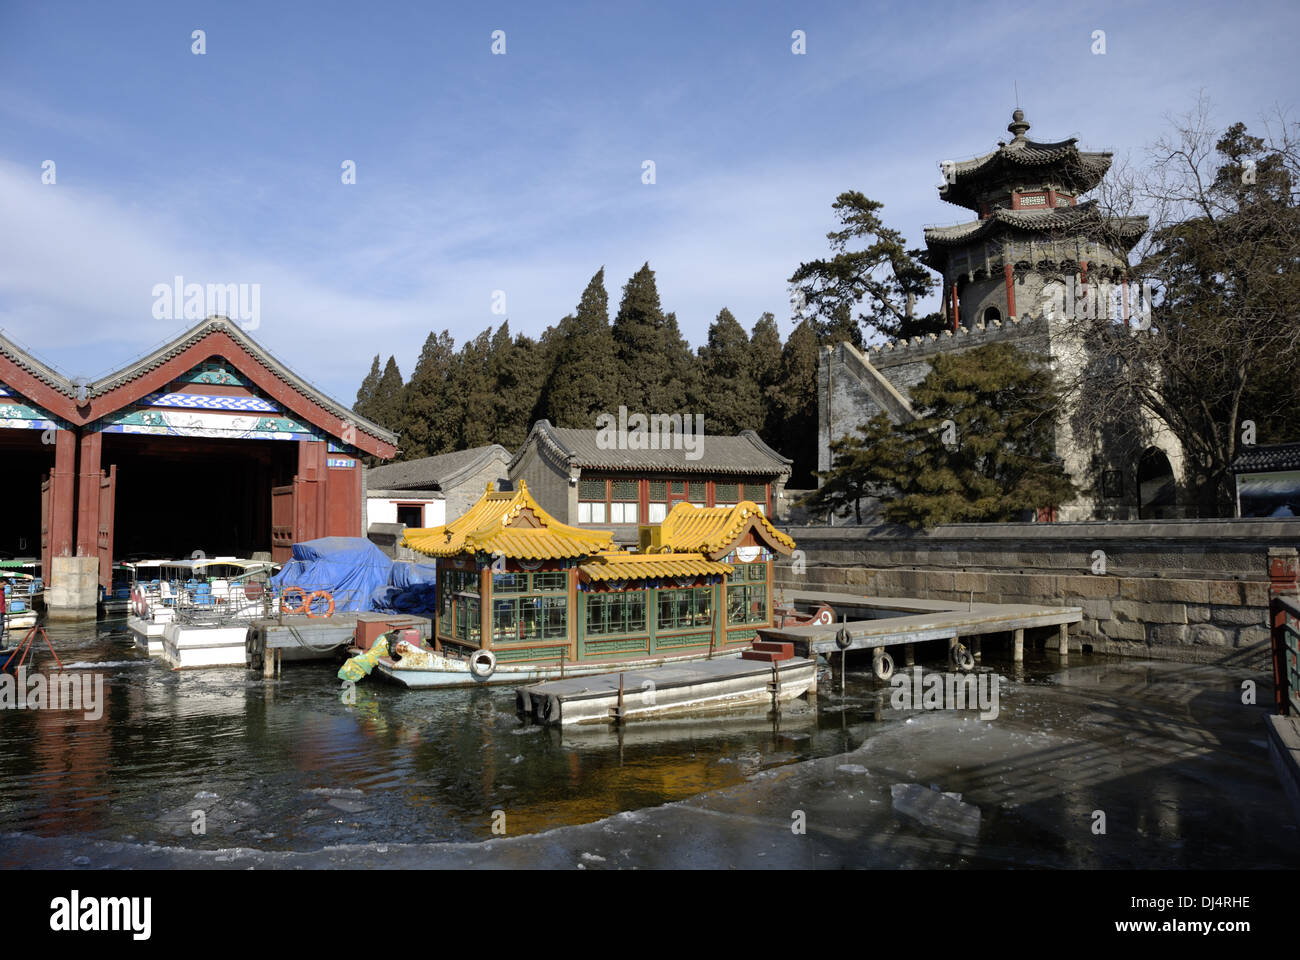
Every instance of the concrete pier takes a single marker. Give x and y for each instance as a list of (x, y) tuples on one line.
[(73, 590)]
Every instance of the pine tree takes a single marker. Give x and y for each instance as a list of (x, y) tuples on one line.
[(869, 464), (983, 449), (733, 402), (638, 340), (516, 369), (582, 377)]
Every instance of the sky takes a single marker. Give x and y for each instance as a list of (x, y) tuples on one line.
[(502, 181)]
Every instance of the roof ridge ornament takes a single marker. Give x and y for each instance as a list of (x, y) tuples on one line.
[(1018, 125)]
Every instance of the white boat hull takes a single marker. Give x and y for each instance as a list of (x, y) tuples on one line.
[(421, 669), (148, 632), (187, 647)]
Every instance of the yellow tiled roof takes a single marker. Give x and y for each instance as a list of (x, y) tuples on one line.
[(502, 522), (713, 530), (646, 566)]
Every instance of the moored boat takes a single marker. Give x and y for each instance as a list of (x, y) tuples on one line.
[(523, 597)]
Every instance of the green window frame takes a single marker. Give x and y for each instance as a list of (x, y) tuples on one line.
[(468, 624), (616, 613), (686, 609), (550, 580), (519, 619), (747, 603)]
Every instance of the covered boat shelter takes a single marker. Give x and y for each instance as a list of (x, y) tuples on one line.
[(206, 446)]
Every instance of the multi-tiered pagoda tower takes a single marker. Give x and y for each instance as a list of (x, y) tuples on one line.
[(1032, 229)]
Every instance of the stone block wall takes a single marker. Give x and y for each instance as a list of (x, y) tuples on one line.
[(1183, 590)]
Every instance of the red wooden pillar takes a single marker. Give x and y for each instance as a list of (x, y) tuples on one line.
[(1083, 272), (956, 314), (1284, 581), (88, 476), (1126, 313), (1009, 274), (63, 496)]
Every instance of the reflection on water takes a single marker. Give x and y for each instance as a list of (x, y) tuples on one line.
[(287, 765)]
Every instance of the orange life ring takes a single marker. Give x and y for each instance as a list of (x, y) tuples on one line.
[(322, 594), (288, 607)]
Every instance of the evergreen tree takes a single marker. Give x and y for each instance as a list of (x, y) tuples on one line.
[(982, 450), (366, 395), (386, 404), (883, 275), (473, 393), (764, 369), (679, 386), (516, 370), (426, 429), (869, 465), (582, 375), (732, 402), (794, 402), (638, 339)]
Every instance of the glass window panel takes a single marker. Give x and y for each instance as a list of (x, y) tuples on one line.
[(658, 511), (584, 513), (554, 580), (509, 582), (758, 571)]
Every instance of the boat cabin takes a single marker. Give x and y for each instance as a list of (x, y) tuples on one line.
[(514, 580)]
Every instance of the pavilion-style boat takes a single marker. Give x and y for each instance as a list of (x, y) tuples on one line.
[(523, 597)]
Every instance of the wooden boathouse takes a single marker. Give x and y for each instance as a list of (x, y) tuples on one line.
[(208, 444), (514, 580)]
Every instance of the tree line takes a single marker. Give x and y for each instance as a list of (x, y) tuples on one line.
[(497, 384)]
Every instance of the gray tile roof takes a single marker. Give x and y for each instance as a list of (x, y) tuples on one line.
[(1268, 458), (1079, 169), (742, 455), (436, 473), (1085, 214)]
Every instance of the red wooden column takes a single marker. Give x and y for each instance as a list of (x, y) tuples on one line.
[(1009, 274), (309, 491), (1283, 581), (63, 499), (956, 314), (92, 446)]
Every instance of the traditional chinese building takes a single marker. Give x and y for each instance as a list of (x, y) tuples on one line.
[(207, 444), (1022, 272), (1032, 228), (536, 592), (618, 485)]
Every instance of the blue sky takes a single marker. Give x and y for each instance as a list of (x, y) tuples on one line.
[(523, 172)]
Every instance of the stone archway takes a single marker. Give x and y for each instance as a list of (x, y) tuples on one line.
[(1157, 490)]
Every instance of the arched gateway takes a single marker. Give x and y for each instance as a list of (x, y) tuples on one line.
[(207, 444)]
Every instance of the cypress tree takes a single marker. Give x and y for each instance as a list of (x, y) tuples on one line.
[(425, 427), (580, 353), (386, 405), (732, 402), (366, 394), (794, 401), (764, 370)]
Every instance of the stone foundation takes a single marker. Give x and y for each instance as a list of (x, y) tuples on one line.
[(1185, 590), (73, 591)]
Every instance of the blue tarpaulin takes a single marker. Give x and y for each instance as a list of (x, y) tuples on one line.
[(350, 568), (410, 589)]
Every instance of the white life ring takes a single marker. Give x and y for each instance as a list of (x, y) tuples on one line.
[(482, 663), (138, 601)]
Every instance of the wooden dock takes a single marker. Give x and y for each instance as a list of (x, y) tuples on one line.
[(697, 687), (297, 637), (875, 623)]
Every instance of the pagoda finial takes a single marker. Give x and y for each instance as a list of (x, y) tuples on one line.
[(1018, 125)]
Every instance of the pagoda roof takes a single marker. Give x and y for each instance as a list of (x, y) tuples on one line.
[(1061, 161), (621, 565), (714, 531), (512, 524), (1123, 230)]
